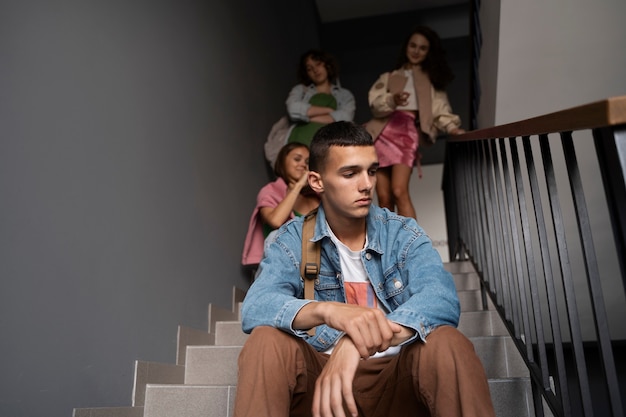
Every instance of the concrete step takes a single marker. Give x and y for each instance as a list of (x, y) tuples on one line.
[(217, 313), (188, 336), (154, 373), (511, 397), (229, 333), (212, 365), (459, 267), (238, 296), (189, 401), (217, 365), (109, 412), (472, 301), (482, 323), (499, 357), (466, 281), (472, 323)]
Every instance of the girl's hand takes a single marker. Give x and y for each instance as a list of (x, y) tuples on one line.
[(401, 99), (456, 131), (300, 183)]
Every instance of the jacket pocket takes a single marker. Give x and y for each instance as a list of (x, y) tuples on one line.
[(395, 290), (328, 288)]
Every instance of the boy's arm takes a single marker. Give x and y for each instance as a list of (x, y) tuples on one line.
[(367, 331), (368, 328)]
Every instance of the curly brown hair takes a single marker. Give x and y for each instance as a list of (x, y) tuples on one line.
[(435, 64), (317, 55)]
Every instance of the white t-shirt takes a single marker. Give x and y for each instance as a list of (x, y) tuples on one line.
[(357, 285), (409, 88)]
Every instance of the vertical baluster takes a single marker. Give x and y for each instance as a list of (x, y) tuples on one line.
[(537, 401), (476, 213), (532, 275), (561, 386), (477, 232), (593, 276), (480, 237), (483, 200), (464, 178), (504, 253), (566, 275), (496, 234), (610, 145), (521, 287), (450, 189), (490, 273)]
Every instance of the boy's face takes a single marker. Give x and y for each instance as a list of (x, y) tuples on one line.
[(347, 181)]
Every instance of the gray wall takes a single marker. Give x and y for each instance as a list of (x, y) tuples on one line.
[(131, 137), (551, 56)]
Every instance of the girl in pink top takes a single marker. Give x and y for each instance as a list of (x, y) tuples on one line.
[(280, 200)]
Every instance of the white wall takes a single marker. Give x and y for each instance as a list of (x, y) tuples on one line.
[(429, 205), (488, 64), (552, 56), (567, 52)]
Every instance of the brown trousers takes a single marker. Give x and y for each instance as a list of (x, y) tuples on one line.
[(440, 378)]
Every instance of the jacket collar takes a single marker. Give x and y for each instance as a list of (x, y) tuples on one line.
[(333, 87), (373, 229)]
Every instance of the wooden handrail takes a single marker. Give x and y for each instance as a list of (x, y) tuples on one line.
[(608, 112)]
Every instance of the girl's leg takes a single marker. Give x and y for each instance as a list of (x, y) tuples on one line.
[(400, 176), (383, 188)]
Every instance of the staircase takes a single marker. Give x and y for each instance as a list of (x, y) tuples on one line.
[(203, 381)]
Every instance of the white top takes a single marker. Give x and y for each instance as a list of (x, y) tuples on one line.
[(409, 87)]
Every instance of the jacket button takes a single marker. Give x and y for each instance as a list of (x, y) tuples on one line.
[(397, 284), (368, 256)]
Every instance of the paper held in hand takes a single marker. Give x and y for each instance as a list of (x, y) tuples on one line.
[(396, 82)]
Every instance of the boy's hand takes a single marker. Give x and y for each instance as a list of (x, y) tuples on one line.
[(369, 329), (333, 389)]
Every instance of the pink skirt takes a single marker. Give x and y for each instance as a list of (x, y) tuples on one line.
[(398, 141)]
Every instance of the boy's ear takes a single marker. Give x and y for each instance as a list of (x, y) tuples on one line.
[(315, 182)]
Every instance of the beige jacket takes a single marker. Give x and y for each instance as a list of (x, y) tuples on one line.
[(439, 119)]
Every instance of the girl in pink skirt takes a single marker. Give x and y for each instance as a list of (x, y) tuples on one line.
[(410, 106)]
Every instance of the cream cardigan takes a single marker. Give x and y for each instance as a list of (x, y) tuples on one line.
[(440, 119)]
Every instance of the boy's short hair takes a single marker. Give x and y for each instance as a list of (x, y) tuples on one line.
[(335, 134)]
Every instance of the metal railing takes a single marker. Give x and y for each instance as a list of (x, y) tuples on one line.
[(516, 207)]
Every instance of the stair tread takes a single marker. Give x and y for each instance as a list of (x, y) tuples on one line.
[(109, 412), (154, 372)]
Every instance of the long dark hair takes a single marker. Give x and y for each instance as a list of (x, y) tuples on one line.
[(317, 55), (435, 64), (279, 165)]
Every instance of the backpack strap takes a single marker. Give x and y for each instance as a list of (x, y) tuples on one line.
[(310, 263)]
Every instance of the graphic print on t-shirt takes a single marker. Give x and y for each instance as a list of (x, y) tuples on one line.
[(360, 293), (356, 283)]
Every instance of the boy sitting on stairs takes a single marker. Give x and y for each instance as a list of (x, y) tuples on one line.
[(384, 316)]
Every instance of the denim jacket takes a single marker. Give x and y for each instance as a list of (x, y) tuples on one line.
[(406, 272)]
